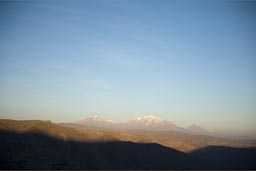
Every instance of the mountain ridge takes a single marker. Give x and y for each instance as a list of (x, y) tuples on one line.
[(148, 122), (46, 145)]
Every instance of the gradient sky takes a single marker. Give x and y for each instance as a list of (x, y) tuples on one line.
[(188, 62)]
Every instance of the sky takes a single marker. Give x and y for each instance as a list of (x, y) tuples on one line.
[(187, 62)]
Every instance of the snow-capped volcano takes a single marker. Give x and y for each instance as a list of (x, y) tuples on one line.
[(148, 120), (98, 118), (95, 120), (151, 122)]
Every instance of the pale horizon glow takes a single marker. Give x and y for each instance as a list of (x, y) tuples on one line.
[(190, 63)]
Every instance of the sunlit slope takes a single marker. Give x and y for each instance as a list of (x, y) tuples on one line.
[(53, 130), (179, 140), (44, 145), (73, 132)]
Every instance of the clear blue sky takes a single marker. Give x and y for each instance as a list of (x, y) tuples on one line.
[(188, 62)]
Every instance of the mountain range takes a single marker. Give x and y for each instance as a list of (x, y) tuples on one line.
[(149, 122), (36, 144)]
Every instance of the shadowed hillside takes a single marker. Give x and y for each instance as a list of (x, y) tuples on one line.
[(217, 157), (174, 139), (44, 145)]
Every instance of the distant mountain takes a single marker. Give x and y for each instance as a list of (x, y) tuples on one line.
[(151, 122), (144, 130), (197, 130), (96, 121), (147, 120)]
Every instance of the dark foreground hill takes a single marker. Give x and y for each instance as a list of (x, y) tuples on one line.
[(220, 158), (44, 145), (37, 151)]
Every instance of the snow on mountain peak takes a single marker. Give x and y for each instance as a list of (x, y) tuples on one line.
[(98, 119), (150, 119), (149, 122)]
